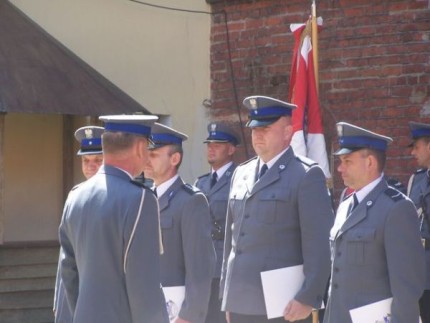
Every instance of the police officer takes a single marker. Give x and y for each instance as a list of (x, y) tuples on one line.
[(279, 215), (189, 256), (376, 248), (109, 234), (419, 192), (221, 146), (91, 153)]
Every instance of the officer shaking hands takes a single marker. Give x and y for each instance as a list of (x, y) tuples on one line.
[(419, 192), (109, 234), (189, 256), (221, 145), (376, 248), (279, 215)]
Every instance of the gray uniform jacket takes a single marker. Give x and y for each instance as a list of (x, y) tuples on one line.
[(279, 221), (217, 197), (376, 254), (189, 256), (109, 277), (420, 195), (61, 307)]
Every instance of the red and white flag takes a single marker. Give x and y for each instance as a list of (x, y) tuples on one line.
[(308, 137)]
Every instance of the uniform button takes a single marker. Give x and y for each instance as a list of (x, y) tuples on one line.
[(242, 234), (246, 216), (336, 270), (335, 286), (238, 252), (339, 254)]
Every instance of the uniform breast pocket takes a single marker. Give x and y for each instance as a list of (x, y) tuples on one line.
[(236, 203), (272, 206), (358, 241)]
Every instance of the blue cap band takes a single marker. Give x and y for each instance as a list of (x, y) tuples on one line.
[(136, 129), (88, 143), (362, 142), (269, 112), (423, 132), (219, 135), (165, 138)]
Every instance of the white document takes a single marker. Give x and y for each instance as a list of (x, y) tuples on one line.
[(279, 287), (378, 312), (174, 297)]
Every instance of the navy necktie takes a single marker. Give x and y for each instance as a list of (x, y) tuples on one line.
[(263, 171), (353, 204), (155, 191), (214, 179)]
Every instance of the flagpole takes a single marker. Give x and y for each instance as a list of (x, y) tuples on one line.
[(315, 43), (315, 316)]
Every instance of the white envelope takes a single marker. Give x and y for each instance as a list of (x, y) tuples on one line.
[(279, 287), (377, 312), (174, 296)]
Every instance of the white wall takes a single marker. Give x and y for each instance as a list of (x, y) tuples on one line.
[(159, 57)]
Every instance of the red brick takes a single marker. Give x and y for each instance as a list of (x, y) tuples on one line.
[(373, 67)]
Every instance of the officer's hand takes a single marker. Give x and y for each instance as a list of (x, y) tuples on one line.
[(296, 311), (179, 320)]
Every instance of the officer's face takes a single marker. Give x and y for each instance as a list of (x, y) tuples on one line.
[(91, 164), (271, 140), (161, 164), (219, 153), (421, 152), (355, 169)]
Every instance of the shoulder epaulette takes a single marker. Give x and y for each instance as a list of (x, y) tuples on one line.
[(393, 182), (247, 161), (305, 160), (394, 194), (421, 170), (204, 175), (190, 188)]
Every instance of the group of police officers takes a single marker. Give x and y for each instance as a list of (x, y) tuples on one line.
[(123, 241)]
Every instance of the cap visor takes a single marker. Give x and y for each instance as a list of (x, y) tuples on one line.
[(260, 123), (215, 140), (95, 152), (344, 151), (153, 145)]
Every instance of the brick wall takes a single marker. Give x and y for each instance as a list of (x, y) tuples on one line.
[(374, 64)]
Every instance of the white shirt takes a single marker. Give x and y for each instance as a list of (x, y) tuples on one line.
[(221, 170), (271, 162), (163, 187), (362, 193)]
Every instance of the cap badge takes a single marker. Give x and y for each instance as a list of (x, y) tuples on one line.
[(253, 103), (213, 127), (88, 133)]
